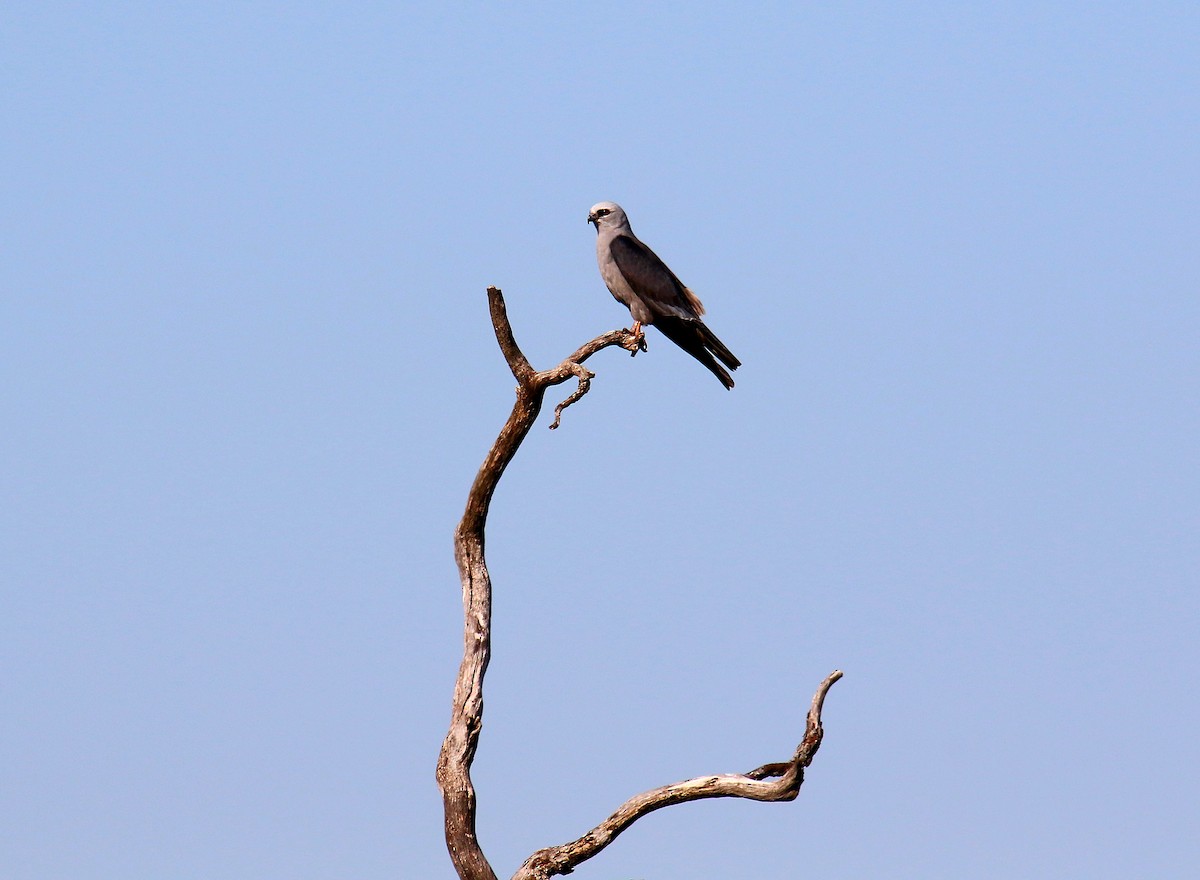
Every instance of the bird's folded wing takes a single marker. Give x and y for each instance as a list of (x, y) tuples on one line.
[(654, 283)]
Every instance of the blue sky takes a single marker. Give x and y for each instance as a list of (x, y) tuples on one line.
[(248, 376)]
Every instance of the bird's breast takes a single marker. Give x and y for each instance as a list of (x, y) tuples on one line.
[(615, 281)]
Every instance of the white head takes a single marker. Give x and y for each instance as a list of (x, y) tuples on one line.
[(609, 215)]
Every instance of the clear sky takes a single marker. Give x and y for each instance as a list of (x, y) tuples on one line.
[(248, 375)]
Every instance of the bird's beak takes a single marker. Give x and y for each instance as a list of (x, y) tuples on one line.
[(592, 219)]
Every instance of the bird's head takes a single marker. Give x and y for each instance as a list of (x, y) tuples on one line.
[(607, 214)]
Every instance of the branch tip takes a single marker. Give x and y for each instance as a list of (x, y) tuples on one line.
[(585, 384), (563, 859), (517, 362)]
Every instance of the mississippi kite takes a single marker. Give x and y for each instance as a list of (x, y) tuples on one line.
[(638, 278)]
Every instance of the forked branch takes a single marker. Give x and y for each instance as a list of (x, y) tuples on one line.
[(466, 717), (462, 740)]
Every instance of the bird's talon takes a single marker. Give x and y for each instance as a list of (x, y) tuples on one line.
[(634, 342)]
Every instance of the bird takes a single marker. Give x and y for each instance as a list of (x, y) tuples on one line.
[(637, 278)]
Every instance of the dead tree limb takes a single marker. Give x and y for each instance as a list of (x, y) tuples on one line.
[(555, 860), (462, 740), (458, 749)]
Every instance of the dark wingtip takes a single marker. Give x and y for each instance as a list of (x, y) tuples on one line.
[(693, 337)]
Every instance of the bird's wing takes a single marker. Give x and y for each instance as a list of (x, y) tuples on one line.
[(652, 281), (698, 341)]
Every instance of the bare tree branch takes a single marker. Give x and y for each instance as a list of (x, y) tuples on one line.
[(585, 383), (466, 721), (555, 860), (517, 362), (458, 749)]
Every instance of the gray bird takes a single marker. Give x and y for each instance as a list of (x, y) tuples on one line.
[(638, 278)]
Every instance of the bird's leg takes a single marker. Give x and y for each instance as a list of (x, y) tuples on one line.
[(639, 338)]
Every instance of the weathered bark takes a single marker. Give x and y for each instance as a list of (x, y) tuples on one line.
[(462, 740), (458, 749), (562, 859)]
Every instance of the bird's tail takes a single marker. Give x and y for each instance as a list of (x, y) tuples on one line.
[(717, 347), (701, 343)]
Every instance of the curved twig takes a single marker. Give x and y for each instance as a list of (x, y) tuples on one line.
[(546, 863), (573, 365), (585, 384)]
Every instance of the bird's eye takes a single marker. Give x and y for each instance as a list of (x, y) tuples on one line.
[(602, 212)]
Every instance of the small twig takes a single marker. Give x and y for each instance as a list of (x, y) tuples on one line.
[(624, 338), (585, 383), (573, 366)]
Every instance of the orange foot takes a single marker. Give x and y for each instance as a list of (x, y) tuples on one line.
[(639, 338)]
